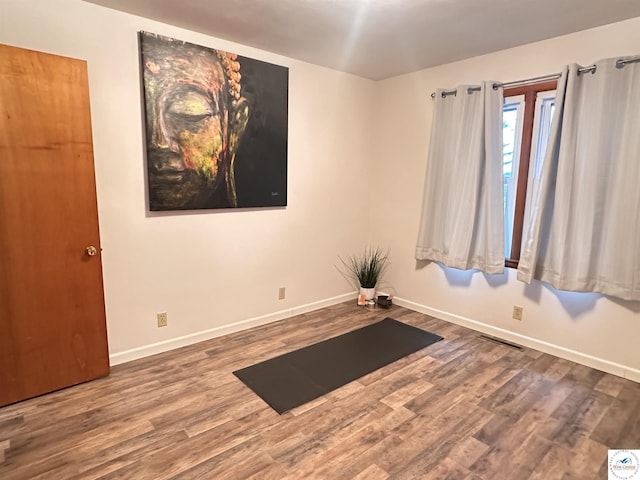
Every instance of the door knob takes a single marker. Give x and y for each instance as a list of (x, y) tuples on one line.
[(91, 250)]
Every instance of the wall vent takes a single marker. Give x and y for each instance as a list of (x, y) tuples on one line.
[(502, 342)]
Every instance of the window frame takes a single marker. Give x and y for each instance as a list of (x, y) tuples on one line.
[(529, 92)]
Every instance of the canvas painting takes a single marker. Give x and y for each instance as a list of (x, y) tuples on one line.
[(216, 127)]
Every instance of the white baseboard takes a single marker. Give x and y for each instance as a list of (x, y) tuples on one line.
[(166, 345), (562, 352)]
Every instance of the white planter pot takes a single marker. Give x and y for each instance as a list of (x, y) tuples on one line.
[(369, 293)]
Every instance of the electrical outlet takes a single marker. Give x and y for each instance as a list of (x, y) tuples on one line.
[(281, 293), (517, 312), (162, 319)]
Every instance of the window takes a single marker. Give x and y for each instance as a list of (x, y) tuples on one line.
[(526, 123), (512, 140)]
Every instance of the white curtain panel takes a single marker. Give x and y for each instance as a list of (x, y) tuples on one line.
[(584, 231), (462, 220)]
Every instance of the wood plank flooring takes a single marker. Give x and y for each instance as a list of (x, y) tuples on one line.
[(463, 408)]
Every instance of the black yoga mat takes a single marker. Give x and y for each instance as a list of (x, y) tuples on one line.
[(295, 378)]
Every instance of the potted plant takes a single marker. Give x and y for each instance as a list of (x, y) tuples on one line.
[(367, 268)]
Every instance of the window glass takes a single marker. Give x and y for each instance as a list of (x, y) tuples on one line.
[(545, 106)]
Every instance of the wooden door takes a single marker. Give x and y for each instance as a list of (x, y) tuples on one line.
[(52, 317)]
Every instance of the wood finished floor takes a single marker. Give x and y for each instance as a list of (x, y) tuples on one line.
[(463, 408)]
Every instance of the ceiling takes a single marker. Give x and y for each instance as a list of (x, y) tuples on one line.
[(378, 39)]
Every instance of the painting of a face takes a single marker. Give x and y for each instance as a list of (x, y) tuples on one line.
[(196, 116)]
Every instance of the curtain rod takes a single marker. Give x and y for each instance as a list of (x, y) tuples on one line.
[(591, 68)]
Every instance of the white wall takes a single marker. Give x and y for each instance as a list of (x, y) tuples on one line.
[(209, 270), (589, 328)]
